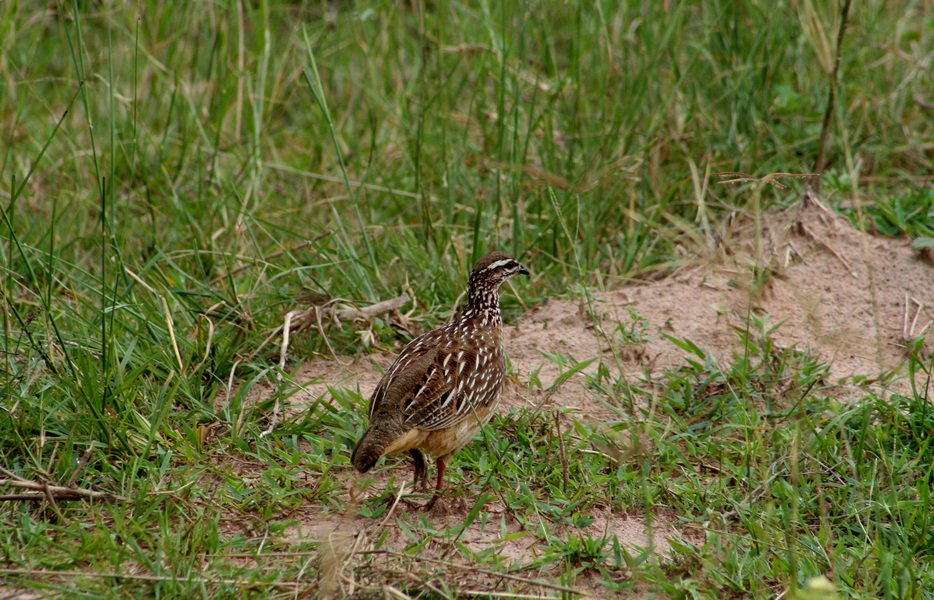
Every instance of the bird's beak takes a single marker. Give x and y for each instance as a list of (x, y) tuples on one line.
[(523, 270)]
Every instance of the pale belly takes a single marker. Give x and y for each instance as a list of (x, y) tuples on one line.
[(442, 443)]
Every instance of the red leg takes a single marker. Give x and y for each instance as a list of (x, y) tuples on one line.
[(440, 464)]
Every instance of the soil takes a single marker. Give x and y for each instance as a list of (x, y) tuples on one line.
[(846, 297)]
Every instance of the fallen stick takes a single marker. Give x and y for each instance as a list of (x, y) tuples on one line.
[(343, 312), (348, 313), (56, 492)]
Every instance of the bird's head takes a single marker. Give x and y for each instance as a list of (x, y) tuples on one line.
[(493, 269)]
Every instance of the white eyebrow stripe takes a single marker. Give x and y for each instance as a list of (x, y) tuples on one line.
[(499, 263)]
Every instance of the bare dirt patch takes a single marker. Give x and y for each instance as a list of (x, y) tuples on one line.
[(849, 298)]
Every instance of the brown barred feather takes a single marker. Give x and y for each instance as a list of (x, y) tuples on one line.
[(443, 385)]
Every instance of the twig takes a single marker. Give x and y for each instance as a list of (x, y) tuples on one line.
[(57, 492), (391, 592), (908, 331), (50, 498), (317, 312), (814, 237), (11, 474), (351, 313), (810, 197), (82, 464), (347, 313), (391, 508), (246, 582), (745, 177), (437, 561)]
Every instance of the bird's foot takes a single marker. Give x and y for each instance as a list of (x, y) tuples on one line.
[(428, 506), (420, 482)]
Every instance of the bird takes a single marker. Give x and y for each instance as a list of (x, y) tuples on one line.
[(443, 386)]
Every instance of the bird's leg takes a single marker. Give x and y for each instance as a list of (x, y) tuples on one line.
[(441, 463), (421, 469)]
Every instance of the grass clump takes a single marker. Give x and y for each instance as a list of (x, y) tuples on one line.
[(179, 176)]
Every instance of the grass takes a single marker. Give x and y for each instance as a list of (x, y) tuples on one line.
[(178, 176)]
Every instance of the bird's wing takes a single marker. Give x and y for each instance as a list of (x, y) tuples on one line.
[(405, 378), (430, 383)]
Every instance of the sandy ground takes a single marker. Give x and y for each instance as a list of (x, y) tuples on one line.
[(847, 297)]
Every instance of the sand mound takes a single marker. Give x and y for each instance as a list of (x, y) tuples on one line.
[(842, 295)]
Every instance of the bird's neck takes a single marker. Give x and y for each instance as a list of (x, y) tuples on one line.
[(483, 305)]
